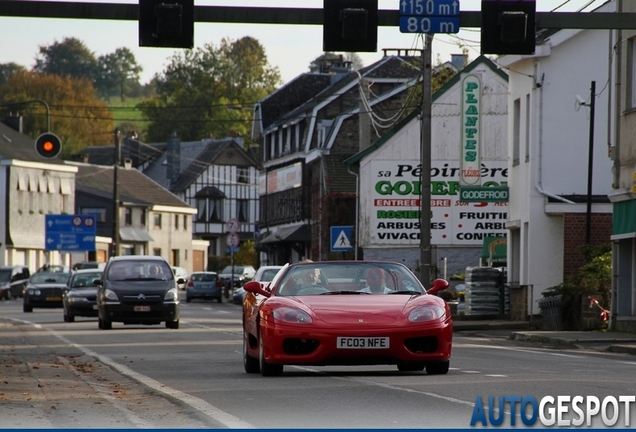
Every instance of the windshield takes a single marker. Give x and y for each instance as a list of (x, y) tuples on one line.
[(237, 270), (5, 275), (80, 280), (203, 277), (348, 278), (46, 278), (139, 270), (268, 275)]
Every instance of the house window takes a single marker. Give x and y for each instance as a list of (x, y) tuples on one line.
[(242, 175), (142, 220), (632, 74), (202, 209), (99, 213), (176, 221), (185, 222), (242, 206), (527, 128), (156, 251), (128, 216), (215, 210), (157, 219), (174, 258)]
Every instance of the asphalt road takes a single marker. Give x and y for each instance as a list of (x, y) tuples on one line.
[(196, 375)]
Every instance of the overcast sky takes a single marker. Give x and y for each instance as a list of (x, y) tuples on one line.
[(289, 47)]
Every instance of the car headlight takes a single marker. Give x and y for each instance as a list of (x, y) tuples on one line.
[(110, 295), (291, 315), (172, 295), (33, 291), (77, 299), (426, 313)]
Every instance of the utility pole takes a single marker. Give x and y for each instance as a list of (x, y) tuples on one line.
[(590, 161), (116, 247), (425, 163)]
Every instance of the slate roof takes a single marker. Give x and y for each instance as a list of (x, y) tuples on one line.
[(139, 153), (198, 165), (16, 145), (134, 186)]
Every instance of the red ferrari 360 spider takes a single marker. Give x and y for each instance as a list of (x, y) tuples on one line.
[(346, 313)]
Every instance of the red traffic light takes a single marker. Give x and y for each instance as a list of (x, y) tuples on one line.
[(48, 145)]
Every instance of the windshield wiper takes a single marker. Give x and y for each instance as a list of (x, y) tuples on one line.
[(406, 292), (344, 292)]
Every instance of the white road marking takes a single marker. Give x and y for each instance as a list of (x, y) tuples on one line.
[(518, 350), (207, 409)]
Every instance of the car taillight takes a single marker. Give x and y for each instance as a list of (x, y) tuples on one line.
[(190, 283), (218, 283)]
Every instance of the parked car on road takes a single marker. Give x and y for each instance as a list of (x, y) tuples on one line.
[(80, 296), (138, 289), (263, 274), (242, 274), (44, 290), (346, 313), (204, 285), (13, 281), (89, 265)]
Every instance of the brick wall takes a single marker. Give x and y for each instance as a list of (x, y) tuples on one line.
[(574, 233)]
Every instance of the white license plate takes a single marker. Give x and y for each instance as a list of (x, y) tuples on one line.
[(362, 342), (141, 308)]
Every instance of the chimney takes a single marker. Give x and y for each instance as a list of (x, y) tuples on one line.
[(127, 163), (339, 69), (15, 122), (458, 60), (173, 157)]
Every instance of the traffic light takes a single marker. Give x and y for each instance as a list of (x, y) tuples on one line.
[(508, 26), (166, 23), (350, 25), (48, 145)]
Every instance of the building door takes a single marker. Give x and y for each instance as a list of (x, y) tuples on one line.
[(197, 261)]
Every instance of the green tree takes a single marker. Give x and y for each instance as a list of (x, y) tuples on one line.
[(202, 92), (69, 58), (77, 115), (117, 71), (8, 69)]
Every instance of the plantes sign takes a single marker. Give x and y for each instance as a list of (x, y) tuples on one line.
[(470, 167)]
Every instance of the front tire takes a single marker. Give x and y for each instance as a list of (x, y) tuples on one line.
[(27, 308), (104, 324), (267, 369), (440, 368), (68, 317), (172, 324), (250, 363)]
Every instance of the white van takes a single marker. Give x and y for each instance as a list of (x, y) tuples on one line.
[(180, 273)]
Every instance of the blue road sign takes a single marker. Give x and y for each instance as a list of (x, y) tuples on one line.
[(429, 25), (429, 7), (70, 233), (341, 238), (233, 249)]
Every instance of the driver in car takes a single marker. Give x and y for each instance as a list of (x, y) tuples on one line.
[(376, 282)]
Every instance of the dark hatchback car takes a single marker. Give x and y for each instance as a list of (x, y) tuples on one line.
[(204, 285), (80, 296), (44, 290), (13, 280), (138, 289)]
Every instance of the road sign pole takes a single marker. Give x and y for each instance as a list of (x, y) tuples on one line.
[(425, 155)]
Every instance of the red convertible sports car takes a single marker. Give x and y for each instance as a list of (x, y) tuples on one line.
[(346, 313)]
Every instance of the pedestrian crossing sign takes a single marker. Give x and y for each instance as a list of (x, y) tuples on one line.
[(341, 238)]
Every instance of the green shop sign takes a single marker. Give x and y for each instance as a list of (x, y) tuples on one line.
[(483, 194)]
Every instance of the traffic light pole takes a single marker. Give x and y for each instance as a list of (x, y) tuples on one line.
[(116, 248), (425, 163)]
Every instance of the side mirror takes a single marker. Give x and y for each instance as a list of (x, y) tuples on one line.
[(98, 282), (438, 285), (181, 281), (256, 288)]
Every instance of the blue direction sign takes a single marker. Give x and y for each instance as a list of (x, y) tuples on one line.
[(429, 7), (70, 233), (429, 16), (429, 25), (341, 238)]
